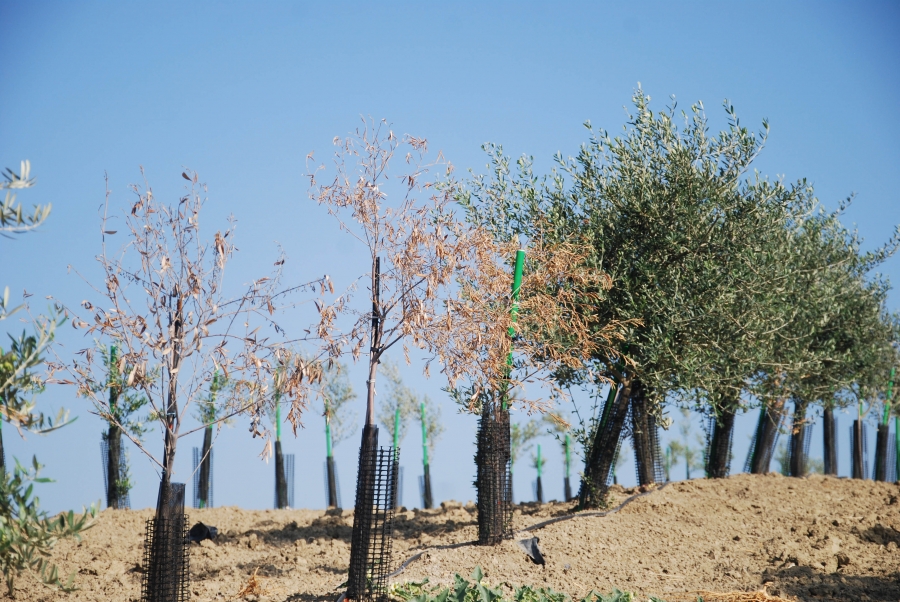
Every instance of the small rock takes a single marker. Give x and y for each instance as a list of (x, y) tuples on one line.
[(334, 512), (842, 560)]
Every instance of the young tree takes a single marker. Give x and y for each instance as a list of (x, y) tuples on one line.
[(124, 403), (165, 303), (521, 438), (685, 449), (208, 413), (337, 392), (434, 283)]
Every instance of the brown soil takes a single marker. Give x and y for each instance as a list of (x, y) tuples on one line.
[(813, 539)]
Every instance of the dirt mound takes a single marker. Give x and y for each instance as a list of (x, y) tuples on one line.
[(813, 539)]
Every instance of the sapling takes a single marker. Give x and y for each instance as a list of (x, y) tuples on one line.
[(559, 427), (537, 462), (124, 403), (163, 302), (881, 442), (339, 424), (521, 437), (207, 413), (432, 427), (442, 286), (394, 414)]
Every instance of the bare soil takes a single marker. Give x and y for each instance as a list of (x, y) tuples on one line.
[(810, 539)]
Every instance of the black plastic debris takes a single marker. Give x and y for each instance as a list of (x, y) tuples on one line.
[(530, 547), (199, 532)]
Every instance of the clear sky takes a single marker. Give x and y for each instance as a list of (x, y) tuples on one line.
[(241, 92)]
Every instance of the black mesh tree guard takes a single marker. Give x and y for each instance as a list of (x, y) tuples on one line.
[(332, 484), (801, 437), (287, 472), (166, 561), (643, 429), (425, 487), (123, 499), (829, 441), (203, 495), (765, 440), (859, 449), (719, 439), (370, 543), (493, 480), (892, 462), (881, 453)]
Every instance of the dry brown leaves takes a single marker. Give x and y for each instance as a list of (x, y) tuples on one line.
[(445, 286)]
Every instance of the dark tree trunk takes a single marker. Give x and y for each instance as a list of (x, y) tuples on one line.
[(427, 500), (567, 489), (798, 441), (205, 467), (281, 496), (540, 491), (113, 470), (642, 437), (859, 469), (719, 460), (2, 452), (766, 437), (601, 456), (881, 452), (332, 482), (829, 441)]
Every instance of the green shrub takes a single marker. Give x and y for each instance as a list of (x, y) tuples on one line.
[(27, 534)]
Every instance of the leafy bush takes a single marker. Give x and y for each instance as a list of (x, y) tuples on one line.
[(476, 591), (27, 534)]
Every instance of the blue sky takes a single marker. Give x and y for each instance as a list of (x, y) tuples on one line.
[(241, 92)]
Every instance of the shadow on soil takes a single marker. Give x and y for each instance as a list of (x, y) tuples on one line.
[(809, 584)]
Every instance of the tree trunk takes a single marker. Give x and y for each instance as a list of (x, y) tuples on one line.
[(642, 437), (859, 469), (427, 500), (829, 441), (719, 460), (281, 497), (881, 453), (798, 440), (206, 468), (113, 470), (766, 437), (600, 458)]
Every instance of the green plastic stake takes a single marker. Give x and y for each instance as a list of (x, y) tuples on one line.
[(277, 410), (113, 391), (887, 401), (568, 446), (424, 436), (327, 430), (539, 460), (514, 310), (397, 434), (897, 444)]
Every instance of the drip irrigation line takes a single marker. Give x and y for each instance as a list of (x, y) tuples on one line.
[(535, 527)]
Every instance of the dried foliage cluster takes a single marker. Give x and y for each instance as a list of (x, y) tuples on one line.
[(443, 286), (165, 306)]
